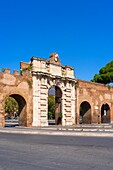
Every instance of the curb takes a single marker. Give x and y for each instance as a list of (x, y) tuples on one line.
[(57, 132)]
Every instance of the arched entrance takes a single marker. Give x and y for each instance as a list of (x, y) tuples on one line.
[(54, 106), (20, 113), (85, 113), (47, 74), (105, 113)]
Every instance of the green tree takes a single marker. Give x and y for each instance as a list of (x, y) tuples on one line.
[(105, 75), (51, 107), (11, 106)]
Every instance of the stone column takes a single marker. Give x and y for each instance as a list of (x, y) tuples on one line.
[(73, 103), (63, 112), (77, 107), (36, 95), (43, 102)]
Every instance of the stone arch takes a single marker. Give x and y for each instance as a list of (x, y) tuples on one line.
[(47, 73), (85, 113), (105, 113), (22, 106), (57, 93)]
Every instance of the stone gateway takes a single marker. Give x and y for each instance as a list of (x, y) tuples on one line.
[(48, 73), (79, 101)]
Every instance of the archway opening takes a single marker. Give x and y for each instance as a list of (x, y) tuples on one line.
[(85, 113), (105, 113), (15, 111), (54, 106)]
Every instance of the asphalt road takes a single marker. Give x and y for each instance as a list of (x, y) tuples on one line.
[(44, 152)]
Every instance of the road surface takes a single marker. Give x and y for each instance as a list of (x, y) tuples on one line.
[(49, 152)]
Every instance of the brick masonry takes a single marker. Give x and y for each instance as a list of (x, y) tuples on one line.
[(18, 87), (96, 95)]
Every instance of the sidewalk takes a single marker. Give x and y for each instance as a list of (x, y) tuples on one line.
[(75, 130)]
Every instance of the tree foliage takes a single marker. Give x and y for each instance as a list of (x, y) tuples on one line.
[(105, 75), (51, 107), (11, 106)]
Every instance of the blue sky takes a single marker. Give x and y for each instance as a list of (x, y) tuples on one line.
[(80, 31)]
